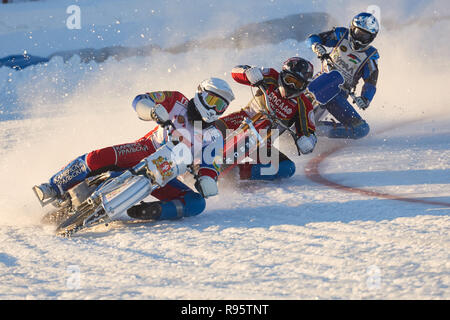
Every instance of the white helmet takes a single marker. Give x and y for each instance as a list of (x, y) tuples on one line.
[(212, 98)]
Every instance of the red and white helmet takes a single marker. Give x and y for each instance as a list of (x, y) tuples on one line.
[(213, 98)]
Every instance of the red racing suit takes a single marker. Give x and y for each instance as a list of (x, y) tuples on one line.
[(296, 112), (123, 156)]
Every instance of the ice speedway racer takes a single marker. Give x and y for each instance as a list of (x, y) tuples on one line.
[(106, 197), (110, 183)]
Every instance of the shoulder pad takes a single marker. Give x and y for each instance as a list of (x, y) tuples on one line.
[(265, 71), (373, 53), (376, 56), (241, 67), (159, 96), (340, 32)]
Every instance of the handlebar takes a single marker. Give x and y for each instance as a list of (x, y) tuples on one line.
[(327, 58)]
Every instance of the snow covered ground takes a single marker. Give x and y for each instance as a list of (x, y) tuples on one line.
[(295, 239)]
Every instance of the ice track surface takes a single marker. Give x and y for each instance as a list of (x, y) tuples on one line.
[(292, 240)]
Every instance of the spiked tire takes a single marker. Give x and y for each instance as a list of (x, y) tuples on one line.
[(55, 218), (87, 215)]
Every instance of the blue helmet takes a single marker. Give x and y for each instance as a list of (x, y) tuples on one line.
[(363, 30)]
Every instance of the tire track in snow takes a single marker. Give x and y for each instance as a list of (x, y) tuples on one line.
[(312, 172)]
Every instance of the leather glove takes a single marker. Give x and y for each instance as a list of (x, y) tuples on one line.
[(306, 144), (254, 76), (362, 102), (206, 186), (319, 49), (159, 114)]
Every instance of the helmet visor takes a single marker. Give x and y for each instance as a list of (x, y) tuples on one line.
[(361, 35), (293, 82), (213, 101)]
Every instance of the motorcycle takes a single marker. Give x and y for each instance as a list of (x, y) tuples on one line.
[(106, 197), (254, 132), (326, 86)]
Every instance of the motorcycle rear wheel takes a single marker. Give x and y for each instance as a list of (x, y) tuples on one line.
[(75, 222)]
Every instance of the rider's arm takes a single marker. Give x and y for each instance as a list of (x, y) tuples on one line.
[(146, 104), (327, 38), (238, 74), (212, 145), (304, 119), (209, 167), (370, 77), (304, 126)]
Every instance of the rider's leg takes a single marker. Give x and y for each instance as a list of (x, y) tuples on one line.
[(176, 200), (110, 158), (72, 174), (350, 126), (286, 169)]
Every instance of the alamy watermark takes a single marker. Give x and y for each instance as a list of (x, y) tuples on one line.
[(373, 280), (73, 280), (74, 19), (376, 12), (235, 147)]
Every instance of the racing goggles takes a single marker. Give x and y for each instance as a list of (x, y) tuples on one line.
[(213, 101), (361, 35), (293, 82)]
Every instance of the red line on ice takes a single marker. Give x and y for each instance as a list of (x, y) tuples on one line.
[(312, 172)]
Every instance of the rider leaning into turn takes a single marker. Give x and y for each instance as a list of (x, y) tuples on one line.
[(285, 90), (355, 58), (175, 198)]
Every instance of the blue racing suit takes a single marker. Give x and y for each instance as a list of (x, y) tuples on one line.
[(353, 65)]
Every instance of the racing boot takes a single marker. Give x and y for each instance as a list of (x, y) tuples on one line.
[(45, 193), (188, 205), (356, 129), (72, 174), (146, 211), (253, 171)]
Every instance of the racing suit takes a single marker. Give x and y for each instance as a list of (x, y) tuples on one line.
[(296, 112), (176, 200), (353, 65)]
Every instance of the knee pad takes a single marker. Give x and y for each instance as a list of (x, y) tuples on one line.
[(194, 204), (360, 129), (190, 205), (287, 169), (356, 130)]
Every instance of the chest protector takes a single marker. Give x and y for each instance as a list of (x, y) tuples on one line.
[(285, 109), (349, 62)]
